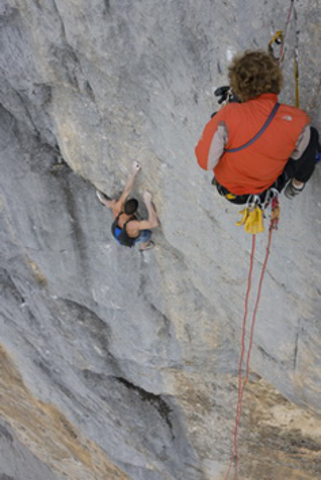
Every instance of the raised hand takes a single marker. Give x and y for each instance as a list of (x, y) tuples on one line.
[(136, 167)]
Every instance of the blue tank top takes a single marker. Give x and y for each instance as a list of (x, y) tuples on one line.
[(121, 234)]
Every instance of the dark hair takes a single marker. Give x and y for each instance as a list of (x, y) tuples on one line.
[(131, 206), (253, 73)]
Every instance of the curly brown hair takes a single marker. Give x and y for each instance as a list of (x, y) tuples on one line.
[(253, 73)]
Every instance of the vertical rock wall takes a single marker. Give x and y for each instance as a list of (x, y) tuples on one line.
[(121, 365)]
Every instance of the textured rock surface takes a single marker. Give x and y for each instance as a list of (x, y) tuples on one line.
[(16, 459), (120, 365)]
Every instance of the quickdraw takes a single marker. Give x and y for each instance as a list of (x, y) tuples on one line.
[(277, 40)]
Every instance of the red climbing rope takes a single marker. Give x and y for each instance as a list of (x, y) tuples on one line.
[(275, 215), (246, 302)]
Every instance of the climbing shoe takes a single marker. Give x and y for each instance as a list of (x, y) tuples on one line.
[(292, 191), (149, 246)]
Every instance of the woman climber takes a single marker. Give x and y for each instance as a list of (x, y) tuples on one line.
[(127, 230)]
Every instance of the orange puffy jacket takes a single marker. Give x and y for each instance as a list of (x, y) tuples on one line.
[(255, 168)]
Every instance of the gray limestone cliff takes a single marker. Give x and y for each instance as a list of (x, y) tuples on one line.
[(122, 365)]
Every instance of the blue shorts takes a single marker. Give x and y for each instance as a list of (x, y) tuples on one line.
[(144, 236)]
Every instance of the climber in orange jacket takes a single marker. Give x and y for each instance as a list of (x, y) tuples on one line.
[(257, 144)]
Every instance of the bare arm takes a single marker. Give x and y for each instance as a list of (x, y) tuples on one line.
[(129, 185), (107, 202), (211, 145), (152, 220), (302, 143), (152, 217), (117, 206)]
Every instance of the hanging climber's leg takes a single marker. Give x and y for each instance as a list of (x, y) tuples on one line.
[(300, 171), (144, 240)]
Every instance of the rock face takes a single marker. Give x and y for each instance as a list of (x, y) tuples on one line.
[(122, 365)]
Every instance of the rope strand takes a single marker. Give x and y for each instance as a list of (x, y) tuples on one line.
[(243, 381), (258, 297), (283, 45)]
